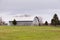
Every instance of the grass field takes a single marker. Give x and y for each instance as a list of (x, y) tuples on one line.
[(29, 33)]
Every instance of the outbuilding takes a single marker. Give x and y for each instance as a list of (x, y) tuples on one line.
[(26, 20)]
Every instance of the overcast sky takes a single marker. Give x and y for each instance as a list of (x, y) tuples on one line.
[(44, 8)]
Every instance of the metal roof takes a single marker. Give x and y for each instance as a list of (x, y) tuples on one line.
[(22, 18)]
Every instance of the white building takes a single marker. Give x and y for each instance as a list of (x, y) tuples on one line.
[(25, 20)]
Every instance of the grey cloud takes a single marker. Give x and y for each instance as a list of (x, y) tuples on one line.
[(34, 7), (29, 4)]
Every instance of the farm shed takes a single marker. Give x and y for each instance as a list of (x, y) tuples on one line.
[(25, 20)]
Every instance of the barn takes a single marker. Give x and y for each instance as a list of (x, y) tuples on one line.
[(25, 20)]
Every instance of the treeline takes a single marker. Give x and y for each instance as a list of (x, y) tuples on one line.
[(54, 21)]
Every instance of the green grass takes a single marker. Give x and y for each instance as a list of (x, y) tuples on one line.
[(29, 33)]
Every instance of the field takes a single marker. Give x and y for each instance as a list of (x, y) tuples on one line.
[(29, 33)]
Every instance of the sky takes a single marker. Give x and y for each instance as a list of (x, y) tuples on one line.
[(44, 8)]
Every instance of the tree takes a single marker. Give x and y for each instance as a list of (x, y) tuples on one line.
[(38, 21), (14, 22), (55, 20), (46, 23), (52, 22), (59, 22)]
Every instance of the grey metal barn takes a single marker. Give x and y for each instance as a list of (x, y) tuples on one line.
[(25, 20)]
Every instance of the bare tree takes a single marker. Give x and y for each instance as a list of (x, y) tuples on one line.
[(37, 21)]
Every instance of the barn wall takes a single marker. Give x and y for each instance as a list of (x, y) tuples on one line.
[(22, 23)]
